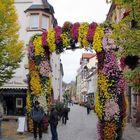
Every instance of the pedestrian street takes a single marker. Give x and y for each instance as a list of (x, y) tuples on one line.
[(80, 126)]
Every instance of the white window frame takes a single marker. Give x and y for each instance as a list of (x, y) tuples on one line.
[(45, 27), (30, 22), (17, 105)]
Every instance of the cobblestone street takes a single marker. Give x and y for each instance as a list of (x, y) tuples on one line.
[(79, 127)]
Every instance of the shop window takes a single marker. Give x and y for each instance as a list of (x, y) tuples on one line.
[(19, 102)]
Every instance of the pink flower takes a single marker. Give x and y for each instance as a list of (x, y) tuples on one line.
[(30, 50), (74, 32), (45, 68), (111, 108), (58, 32), (91, 31), (44, 38)]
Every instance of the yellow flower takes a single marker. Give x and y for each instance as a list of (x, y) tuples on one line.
[(39, 50), (110, 131), (51, 40), (49, 87), (35, 84), (65, 39), (97, 39), (102, 95), (82, 34), (28, 102)]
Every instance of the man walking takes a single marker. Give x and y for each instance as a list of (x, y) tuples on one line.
[(53, 120), (65, 114), (37, 115)]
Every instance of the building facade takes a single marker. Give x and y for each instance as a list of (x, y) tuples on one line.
[(34, 16), (92, 80), (81, 79)]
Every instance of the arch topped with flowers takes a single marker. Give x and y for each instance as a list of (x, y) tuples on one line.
[(110, 99)]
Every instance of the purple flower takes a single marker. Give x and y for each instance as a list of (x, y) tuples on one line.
[(110, 65), (75, 29), (44, 38), (30, 50), (58, 32), (91, 31)]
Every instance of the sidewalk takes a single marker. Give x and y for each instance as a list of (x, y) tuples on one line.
[(9, 131), (131, 133)]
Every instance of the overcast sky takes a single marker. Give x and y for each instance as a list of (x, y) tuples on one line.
[(77, 11)]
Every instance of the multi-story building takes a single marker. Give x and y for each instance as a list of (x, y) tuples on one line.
[(34, 16), (81, 80), (92, 79)]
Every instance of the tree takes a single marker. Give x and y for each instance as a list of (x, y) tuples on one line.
[(10, 46)]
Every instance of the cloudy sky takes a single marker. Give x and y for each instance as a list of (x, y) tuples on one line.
[(77, 11)]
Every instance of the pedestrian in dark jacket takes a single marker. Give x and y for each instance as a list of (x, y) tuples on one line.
[(53, 120), (88, 107), (65, 114), (37, 115)]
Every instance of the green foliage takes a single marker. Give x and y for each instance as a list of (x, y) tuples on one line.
[(10, 46), (133, 78), (127, 38), (66, 96)]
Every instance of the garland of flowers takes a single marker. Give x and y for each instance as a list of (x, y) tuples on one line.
[(39, 73), (69, 34), (110, 100)]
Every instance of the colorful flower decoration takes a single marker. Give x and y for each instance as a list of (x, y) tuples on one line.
[(110, 98)]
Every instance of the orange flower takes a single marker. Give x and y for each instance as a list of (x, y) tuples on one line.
[(32, 66)]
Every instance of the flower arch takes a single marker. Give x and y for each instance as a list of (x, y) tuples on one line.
[(110, 99)]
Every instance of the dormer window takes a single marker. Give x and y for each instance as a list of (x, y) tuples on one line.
[(38, 21), (34, 21)]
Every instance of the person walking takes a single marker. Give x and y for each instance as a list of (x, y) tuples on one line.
[(65, 114), (53, 120), (37, 115), (88, 107)]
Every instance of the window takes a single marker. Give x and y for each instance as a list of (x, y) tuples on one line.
[(19, 102), (45, 22), (34, 21)]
